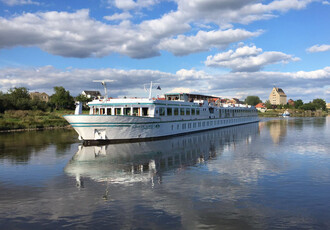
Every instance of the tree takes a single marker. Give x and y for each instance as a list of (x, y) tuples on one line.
[(298, 103), (319, 104), (2, 102), (308, 106), (252, 100), (19, 98), (268, 105), (61, 99), (82, 98)]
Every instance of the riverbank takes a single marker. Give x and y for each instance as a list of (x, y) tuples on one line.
[(22, 120), (293, 113), (28, 120)]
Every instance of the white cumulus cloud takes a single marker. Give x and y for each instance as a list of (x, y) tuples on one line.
[(203, 41), (117, 16), (247, 59), (318, 48), (19, 2), (131, 4)]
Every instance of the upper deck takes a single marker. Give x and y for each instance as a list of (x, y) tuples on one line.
[(172, 107)]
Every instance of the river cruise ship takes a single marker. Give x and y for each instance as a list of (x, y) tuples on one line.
[(134, 119)]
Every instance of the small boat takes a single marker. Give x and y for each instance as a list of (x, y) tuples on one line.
[(286, 113), (135, 119)]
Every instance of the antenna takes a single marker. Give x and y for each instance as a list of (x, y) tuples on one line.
[(103, 82)]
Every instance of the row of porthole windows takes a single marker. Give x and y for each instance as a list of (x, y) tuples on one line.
[(163, 111), (205, 124)]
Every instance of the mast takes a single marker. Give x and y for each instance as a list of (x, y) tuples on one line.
[(104, 83), (150, 89)]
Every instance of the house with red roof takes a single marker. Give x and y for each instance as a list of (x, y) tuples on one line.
[(261, 107)]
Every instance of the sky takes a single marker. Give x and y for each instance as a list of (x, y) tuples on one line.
[(226, 48)]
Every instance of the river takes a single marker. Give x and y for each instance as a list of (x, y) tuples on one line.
[(267, 175)]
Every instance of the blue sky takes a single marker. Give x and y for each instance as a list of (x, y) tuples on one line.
[(227, 48)]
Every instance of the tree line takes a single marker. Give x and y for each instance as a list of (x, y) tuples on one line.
[(19, 98), (316, 104)]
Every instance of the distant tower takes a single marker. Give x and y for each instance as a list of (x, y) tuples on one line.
[(277, 96)]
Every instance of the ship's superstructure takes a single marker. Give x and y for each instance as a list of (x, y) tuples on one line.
[(140, 118)]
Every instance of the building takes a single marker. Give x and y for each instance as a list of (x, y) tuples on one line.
[(277, 97), (291, 102), (91, 94), (261, 107), (39, 96)]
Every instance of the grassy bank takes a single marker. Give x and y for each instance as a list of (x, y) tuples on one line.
[(293, 113), (28, 119)]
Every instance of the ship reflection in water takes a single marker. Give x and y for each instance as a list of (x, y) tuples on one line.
[(146, 161)]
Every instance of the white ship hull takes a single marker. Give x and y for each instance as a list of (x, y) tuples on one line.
[(130, 128)]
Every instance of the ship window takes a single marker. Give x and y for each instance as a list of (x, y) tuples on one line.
[(197, 112), (176, 111), (207, 123), (193, 112), (102, 111), (136, 111), (194, 125), (188, 112), (189, 125), (169, 111), (199, 124), (203, 124), (127, 111), (144, 111), (109, 111), (211, 110), (181, 111), (162, 111), (177, 126), (117, 111)]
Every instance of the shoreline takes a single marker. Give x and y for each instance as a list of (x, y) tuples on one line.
[(35, 129)]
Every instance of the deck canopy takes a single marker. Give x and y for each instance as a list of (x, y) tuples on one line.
[(189, 97)]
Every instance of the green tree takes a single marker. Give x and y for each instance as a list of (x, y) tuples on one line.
[(2, 102), (37, 104), (298, 103), (61, 99), (287, 106), (83, 99), (268, 105), (320, 104), (252, 100), (308, 106), (19, 98)]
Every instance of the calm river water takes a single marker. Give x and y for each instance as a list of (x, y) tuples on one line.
[(267, 175)]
